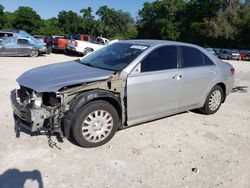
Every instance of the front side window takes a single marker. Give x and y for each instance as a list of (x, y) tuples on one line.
[(192, 57), (162, 58), (22, 41)]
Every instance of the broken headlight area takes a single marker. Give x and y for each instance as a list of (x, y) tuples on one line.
[(29, 98), (36, 111), (51, 99)]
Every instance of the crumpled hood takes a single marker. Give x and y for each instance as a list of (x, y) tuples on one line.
[(51, 78)]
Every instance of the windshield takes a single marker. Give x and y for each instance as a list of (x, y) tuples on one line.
[(114, 57)]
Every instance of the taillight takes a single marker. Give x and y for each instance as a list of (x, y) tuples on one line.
[(232, 70), (76, 44)]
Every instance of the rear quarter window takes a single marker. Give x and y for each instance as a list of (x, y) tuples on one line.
[(207, 60)]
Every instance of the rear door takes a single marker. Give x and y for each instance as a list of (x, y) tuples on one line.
[(22, 47), (156, 88), (198, 73)]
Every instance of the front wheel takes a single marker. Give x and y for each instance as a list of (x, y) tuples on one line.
[(95, 124), (33, 53), (213, 101)]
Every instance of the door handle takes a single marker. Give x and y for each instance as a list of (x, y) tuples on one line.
[(177, 77), (213, 71)]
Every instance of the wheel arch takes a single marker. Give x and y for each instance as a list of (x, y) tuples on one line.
[(84, 98), (223, 87), (88, 48)]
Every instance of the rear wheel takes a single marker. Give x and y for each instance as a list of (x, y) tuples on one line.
[(213, 101), (95, 124), (33, 53)]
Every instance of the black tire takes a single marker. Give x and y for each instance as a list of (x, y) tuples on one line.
[(206, 108), (83, 114), (49, 50), (87, 51), (33, 53)]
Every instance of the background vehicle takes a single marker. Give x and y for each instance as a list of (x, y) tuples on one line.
[(224, 54), (246, 56), (20, 46), (56, 43), (235, 54), (120, 85), (210, 50), (6, 33), (86, 47)]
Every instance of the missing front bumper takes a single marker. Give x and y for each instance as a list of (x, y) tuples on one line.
[(29, 118)]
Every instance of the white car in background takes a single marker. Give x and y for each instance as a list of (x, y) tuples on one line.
[(86, 47)]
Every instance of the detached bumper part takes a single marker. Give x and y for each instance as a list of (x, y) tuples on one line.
[(29, 118)]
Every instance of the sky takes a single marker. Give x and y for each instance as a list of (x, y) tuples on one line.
[(51, 8)]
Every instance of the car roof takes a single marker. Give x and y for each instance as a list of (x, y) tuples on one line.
[(152, 43)]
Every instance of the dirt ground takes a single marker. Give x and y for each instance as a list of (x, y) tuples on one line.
[(185, 150)]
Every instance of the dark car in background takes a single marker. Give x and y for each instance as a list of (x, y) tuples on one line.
[(6, 33), (20, 46)]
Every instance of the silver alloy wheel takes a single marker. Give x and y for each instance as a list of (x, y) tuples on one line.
[(214, 100), (33, 53), (88, 52), (97, 126)]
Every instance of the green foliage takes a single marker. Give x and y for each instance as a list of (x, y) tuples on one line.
[(50, 27), (160, 19), (2, 16), (216, 23), (27, 19), (88, 22), (9, 22), (113, 23), (69, 22)]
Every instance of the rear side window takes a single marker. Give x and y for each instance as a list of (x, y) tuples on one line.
[(207, 60), (162, 58), (192, 57)]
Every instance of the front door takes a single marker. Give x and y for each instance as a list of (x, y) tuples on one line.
[(156, 89)]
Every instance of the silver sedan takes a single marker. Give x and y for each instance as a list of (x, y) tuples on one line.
[(121, 85)]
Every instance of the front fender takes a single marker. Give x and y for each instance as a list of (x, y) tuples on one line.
[(81, 100)]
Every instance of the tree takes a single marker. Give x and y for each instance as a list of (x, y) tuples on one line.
[(50, 27), (2, 16), (160, 19), (223, 29), (88, 22), (27, 19), (113, 23), (9, 23), (244, 26), (69, 22)]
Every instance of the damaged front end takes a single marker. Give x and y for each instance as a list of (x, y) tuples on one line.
[(36, 111)]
